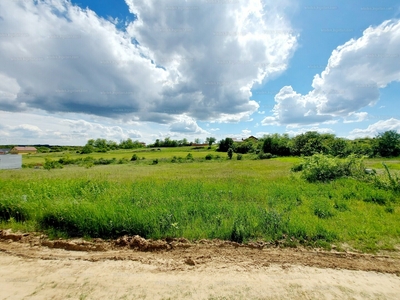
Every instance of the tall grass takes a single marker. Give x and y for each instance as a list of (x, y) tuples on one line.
[(231, 200)]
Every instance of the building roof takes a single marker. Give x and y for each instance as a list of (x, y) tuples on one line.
[(252, 137), (25, 148)]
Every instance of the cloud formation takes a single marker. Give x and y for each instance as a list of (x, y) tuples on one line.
[(376, 128), (351, 80), (181, 58)]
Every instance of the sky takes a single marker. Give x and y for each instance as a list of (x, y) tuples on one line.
[(150, 69)]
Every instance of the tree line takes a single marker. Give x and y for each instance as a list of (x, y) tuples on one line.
[(103, 145), (386, 144)]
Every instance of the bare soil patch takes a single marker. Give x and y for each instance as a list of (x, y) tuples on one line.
[(32, 266)]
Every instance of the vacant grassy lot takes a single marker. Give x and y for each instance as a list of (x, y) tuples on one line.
[(240, 200)]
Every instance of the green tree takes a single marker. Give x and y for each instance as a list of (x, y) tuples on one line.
[(210, 141), (309, 143), (87, 149), (225, 144), (389, 143), (339, 147), (112, 145)]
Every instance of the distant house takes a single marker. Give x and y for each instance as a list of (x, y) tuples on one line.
[(23, 150), (4, 151), (251, 138), (143, 144), (199, 145)]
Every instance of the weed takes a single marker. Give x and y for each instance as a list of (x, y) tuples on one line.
[(322, 210)]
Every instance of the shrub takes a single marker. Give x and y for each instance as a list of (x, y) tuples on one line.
[(87, 149), (155, 161), (51, 164), (209, 157), (123, 161), (263, 155), (230, 153), (239, 157), (189, 156), (321, 167), (88, 164), (104, 161), (297, 168), (134, 157)]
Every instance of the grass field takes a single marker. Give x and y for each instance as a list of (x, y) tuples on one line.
[(239, 200)]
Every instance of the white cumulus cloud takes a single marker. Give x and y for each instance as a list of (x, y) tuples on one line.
[(351, 80), (376, 128), (179, 58)]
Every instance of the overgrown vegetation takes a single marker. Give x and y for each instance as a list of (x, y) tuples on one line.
[(386, 144), (323, 168), (229, 199)]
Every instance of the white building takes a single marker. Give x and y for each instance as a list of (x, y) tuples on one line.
[(10, 161)]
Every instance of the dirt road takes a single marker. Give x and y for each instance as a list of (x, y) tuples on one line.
[(35, 268)]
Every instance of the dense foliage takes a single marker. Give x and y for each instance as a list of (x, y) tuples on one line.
[(320, 167), (385, 144)]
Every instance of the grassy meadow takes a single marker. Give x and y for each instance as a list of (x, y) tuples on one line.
[(239, 200)]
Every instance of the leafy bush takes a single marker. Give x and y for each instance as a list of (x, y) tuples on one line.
[(51, 164), (263, 155), (230, 153), (123, 161), (323, 168), (239, 157), (189, 156), (209, 157), (155, 161), (134, 157), (104, 161)]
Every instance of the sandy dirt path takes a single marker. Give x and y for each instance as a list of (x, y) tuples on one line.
[(30, 269)]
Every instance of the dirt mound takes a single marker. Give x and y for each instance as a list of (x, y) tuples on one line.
[(180, 253)]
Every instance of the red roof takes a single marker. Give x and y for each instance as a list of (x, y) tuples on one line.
[(25, 148)]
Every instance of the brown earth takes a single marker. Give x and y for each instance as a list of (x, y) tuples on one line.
[(34, 267)]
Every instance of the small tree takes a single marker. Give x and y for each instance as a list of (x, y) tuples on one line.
[(210, 141), (230, 153)]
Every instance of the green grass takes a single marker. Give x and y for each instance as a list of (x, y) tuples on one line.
[(226, 199), (148, 153)]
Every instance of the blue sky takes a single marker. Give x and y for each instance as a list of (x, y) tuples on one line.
[(192, 69)]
